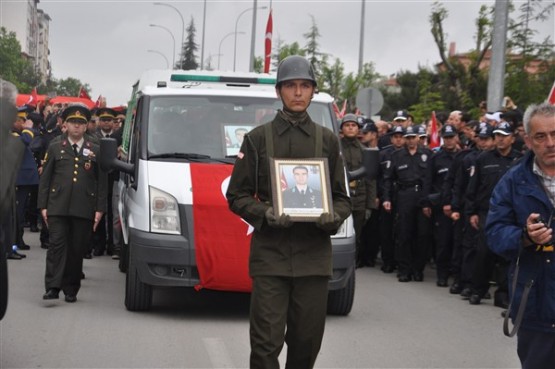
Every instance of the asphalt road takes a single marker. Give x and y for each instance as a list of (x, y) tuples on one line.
[(392, 325)]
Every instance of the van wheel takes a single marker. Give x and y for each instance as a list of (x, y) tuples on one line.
[(340, 301), (138, 295), (124, 258)]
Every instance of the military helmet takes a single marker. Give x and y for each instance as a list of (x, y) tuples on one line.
[(295, 67), (350, 118)]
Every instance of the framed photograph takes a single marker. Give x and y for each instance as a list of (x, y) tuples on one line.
[(233, 137), (301, 188)]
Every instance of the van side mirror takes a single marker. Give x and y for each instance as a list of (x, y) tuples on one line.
[(109, 157), (370, 166)]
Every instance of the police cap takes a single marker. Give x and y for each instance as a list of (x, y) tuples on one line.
[(485, 131), (448, 130), (401, 115), (398, 130), (422, 131), (410, 132), (503, 128)]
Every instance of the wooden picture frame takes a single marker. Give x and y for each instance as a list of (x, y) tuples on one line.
[(301, 188)]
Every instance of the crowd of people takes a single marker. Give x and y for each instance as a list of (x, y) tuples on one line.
[(60, 189)]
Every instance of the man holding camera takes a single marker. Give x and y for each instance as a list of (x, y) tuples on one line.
[(520, 227)]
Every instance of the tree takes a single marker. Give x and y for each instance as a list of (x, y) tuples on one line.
[(258, 66), (312, 49), (286, 50), (70, 87), (188, 59), (429, 99), (14, 67)]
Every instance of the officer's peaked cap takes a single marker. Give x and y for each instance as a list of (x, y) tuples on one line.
[(76, 112)]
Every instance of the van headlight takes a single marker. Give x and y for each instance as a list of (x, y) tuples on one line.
[(164, 212)]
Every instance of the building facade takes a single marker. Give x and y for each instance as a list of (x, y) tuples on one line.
[(31, 26)]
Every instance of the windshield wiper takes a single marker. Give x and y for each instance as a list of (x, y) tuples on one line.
[(180, 155)]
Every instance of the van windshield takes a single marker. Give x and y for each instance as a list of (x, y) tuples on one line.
[(211, 126)]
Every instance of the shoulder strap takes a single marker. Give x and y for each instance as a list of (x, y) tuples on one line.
[(269, 140), (521, 308), (319, 141)]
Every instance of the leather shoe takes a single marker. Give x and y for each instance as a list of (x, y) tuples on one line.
[(404, 278), (51, 294), (14, 256), (455, 288), (70, 298), (98, 253), (475, 299), (466, 293), (24, 247), (388, 268), (21, 256), (418, 277), (442, 282)]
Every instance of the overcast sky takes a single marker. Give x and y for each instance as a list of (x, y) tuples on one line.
[(105, 43)]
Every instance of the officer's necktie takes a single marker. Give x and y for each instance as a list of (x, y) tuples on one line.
[(302, 192), (75, 149)]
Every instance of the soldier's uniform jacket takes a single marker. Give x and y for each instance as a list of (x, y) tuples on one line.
[(28, 173), (302, 249), (294, 198), (438, 170), (405, 171), (72, 185), (484, 175), (361, 191)]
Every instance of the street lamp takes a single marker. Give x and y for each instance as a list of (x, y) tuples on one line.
[(163, 56), (220, 47), (235, 42), (182, 27), (173, 38)]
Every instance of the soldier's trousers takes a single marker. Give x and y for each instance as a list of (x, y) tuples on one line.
[(288, 310), (69, 238)]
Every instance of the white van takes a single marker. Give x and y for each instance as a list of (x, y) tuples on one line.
[(181, 137)]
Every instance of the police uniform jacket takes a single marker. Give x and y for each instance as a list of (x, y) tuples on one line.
[(361, 190), (484, 175), (302, 249), (72, 185), (385, 163), (405, 171), (452, 191), (438, 170), (28, 173), (518, 194)]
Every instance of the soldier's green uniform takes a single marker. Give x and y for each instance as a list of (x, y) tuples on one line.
[(290, 262), (72, 188)]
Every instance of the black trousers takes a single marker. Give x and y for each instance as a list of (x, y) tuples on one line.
[(69, 237), (22, 198), (536, 350), (443, 234), (469, 250), (412, 232), (371, 238), (484, 262), (358, 223), (387, 237), (457, 255), (287, 310)]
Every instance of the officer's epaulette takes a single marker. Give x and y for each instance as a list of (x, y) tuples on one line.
[(29, 132)]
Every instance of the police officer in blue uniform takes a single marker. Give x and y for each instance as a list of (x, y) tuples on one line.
[(72, 199)]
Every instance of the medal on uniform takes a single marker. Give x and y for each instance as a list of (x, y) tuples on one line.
[(88, 165)]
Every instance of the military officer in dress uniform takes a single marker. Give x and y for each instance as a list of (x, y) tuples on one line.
[(301, 195), (72, 199)]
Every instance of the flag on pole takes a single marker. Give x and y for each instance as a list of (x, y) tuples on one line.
[(268, 44), (343, 109), (98, 102), (551, 97), (83, 93), (336, 110), (33, 98), (282, 181), (434, 134)]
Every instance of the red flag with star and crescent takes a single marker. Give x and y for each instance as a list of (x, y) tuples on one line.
[(83, 93), (268, 44), (33, 98), (551, 97)]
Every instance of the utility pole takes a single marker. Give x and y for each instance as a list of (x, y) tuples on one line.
[(496, 80), (203, 33), (253, 36), (361, 46)]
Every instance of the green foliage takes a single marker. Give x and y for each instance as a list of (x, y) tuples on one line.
[(68, 87), (258, 65), (188, 59), (14, 67)]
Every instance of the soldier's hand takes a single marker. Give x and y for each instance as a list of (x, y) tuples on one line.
[(427, 212), (283, 221), (44, 214), (97, 218), (447, 211), (328, 222), (475, 222), (455, 216)]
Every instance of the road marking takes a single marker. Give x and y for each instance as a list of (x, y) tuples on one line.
[(217, 352)]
